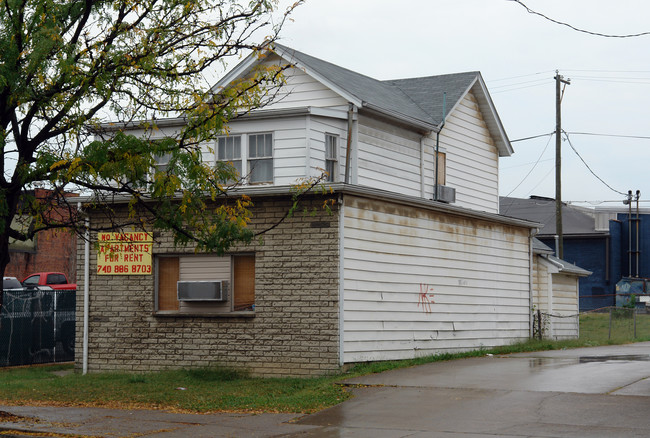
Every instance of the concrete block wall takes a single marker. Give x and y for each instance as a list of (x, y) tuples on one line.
[(293, 331)]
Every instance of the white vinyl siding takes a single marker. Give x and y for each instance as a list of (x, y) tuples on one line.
[(474, 276), (388, 157), (565, 307), (472, 157), (556, 297), (289, 144), (320, 127), (302, 90)]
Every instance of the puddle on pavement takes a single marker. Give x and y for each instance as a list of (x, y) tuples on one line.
[(556, 362), (622, 357)]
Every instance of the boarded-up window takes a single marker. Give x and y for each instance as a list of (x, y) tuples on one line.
[(168, 275), (441, 174), (244, 279)]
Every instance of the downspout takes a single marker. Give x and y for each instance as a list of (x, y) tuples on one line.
[(84, 360), (341, 280), (531, 290), (435, 158), (349, 143), (422, 182)]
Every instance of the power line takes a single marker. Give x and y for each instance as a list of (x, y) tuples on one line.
[(534, 165), (517, 88), (609, 71), (521, 76), (642, 137), (536, 81), (589, 168), (530, 138), (525, 164), (530, 11)]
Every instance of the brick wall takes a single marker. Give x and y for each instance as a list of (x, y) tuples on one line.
[(294, 329), (54, 250)]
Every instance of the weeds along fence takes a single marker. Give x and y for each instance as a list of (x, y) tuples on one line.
[(37, 327), (616, 324)]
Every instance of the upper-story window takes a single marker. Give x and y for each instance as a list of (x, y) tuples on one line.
[(253, 152), (229, 149), (162, 162), (260, 158), (331, 160)]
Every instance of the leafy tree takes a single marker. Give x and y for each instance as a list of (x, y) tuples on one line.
[(66, 67)]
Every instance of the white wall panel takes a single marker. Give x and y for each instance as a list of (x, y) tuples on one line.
[(473, 274)]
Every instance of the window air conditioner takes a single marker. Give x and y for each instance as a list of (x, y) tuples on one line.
[(446, 194), (202, 290)]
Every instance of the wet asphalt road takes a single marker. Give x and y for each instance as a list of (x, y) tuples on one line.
[(591, 392)]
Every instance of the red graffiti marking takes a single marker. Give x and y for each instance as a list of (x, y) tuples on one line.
[(425, 298)]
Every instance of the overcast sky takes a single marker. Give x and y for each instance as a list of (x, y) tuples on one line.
[(517, 54)]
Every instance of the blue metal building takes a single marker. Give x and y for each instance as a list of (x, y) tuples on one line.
[(597, 240)]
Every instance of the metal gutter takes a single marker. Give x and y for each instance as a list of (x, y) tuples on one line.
[(424, 126), (365, 192)]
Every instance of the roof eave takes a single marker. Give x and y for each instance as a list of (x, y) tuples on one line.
[(424, 127), (491, 117), (287, 56)]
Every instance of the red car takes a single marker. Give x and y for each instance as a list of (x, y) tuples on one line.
[(56, 280)]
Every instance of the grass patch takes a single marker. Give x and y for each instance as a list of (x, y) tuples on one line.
[(224, 389)]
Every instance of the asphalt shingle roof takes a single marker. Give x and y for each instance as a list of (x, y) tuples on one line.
[(418, 98), (542, 210)]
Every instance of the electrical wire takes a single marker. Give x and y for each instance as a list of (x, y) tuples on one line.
[(541, 180), (522, 76), (534, 165), (561, 23), (530, 138), (545, 81), (589, 168), (517, 88), (642, 137)]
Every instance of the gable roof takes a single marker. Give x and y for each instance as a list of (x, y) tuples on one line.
[(575, 221), (568, 268), (415, 101)]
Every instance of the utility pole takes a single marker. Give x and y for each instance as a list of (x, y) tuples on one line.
[(559, 92)]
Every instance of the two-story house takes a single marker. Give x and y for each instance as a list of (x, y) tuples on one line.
[(397, 270)]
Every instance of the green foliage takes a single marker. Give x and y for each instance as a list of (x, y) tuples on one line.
[(631, 302), (66, 68)]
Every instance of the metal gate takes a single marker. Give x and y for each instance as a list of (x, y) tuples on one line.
[(37, 327)]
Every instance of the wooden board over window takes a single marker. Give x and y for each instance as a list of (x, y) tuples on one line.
[(168, 275), (244, 279), (442, 166)]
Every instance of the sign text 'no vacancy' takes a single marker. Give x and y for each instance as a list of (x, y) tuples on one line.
[(124, 253)]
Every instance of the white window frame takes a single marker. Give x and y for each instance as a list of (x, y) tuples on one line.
[(235, 161), (331, 160), (251, 162), (247, 162)]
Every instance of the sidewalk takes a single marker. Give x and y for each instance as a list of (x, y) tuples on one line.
[(97, 422)]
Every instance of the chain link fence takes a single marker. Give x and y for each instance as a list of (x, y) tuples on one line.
[(619, 324), (37, 326)]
